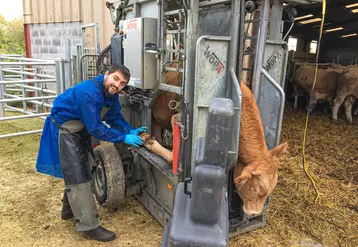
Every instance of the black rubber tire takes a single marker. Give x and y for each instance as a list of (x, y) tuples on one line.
[(108, 178)]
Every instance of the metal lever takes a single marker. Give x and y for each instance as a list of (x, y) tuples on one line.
[(186, 181)]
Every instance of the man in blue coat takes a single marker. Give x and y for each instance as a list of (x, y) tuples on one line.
[(66, 150)]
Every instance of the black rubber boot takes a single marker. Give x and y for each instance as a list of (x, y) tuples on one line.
[(100, 234), (66, 212)]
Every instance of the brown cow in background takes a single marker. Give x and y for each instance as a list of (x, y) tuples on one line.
[(347, 92), (255, 174), (326, 83)]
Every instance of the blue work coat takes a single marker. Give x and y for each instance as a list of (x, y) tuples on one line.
[(82, 102)]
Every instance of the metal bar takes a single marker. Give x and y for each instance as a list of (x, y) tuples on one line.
[(18, 68), (36, 93), (242, 38), (282, 103), (26, 81), (29, 73), (68, 70), (30, 101), (260, 49), (78, 62), (58, 77), (89, 25), (22, 111), (21, 133), (26, 99), (189, 83), (234, 43), (238, 93), (10, 55), (20, 58), (62, 70), (175, 31), (37, 88), (2, 92), (173, 69), (214, 2), (27, 63), (23, 77), (25, 116), (19, 90), (173, 12), (13, 76), (98, 49), (169, 88), (276, 21)]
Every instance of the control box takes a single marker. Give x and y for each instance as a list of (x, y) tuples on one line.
[(143, 65)]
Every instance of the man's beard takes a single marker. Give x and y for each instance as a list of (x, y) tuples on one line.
[(106, 92)]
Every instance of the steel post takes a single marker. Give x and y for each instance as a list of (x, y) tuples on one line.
[(276, 23), (260, 49), (23, 77), (68, 69), (234, 43), (189, 84), (2, 90), (79, 65)]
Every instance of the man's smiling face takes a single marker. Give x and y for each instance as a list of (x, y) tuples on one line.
[(114, 83)]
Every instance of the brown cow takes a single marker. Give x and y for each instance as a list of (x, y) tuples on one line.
[(255, 174), (326, 83), (347, 91)]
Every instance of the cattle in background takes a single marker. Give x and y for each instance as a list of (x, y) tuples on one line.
[(347, 92), (255, 174), (326, 83)]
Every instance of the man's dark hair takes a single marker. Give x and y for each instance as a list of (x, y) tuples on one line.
[(121, 68)]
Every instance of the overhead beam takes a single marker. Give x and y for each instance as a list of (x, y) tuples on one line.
[(317, 8)]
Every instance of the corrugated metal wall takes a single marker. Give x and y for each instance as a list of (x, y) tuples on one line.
[(57, 11)]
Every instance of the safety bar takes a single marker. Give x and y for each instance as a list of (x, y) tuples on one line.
[(27, 63), (238, 92), (22, 111), (37, 89), (21, 133), (27, 81), (28, 73), (26, 99), (23, 59), (25, 116), (282, 103), (30, 101)]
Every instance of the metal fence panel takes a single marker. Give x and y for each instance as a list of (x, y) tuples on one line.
[(26, 87)]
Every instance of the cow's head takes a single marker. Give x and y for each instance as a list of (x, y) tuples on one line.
[(255, 181)]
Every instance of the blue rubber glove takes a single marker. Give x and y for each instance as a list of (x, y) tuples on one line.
[(133, 140), (139, 130)]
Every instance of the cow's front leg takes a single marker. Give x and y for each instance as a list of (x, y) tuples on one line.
[(337, 103), (312, 102), (296, 93)]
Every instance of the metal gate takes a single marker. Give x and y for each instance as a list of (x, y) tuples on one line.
[(32, 82)]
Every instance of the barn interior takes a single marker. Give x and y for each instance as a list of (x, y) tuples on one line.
[(340, 32)]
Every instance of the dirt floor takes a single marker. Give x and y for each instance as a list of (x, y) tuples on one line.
[(30, 202)]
